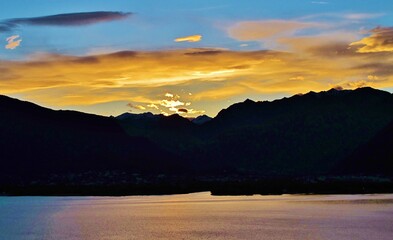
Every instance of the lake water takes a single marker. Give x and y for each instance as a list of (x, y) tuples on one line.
[(198, 216)]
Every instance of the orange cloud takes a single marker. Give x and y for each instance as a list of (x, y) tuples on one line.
[(328, 44), (214, 76), (12, 42), (137, 107), (259, 30), (171, 103), (192, 38), (152, 105), (380, 40)]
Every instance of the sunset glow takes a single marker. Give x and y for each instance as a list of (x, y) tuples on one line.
[(262, 56)]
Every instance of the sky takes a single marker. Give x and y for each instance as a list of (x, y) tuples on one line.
[(189, 57)]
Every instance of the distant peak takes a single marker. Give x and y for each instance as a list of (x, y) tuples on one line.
[(201, 119), (128, 115), (369, 89), (249, 101), (336, 88)]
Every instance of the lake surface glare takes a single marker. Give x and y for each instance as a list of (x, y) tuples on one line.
[(198, 216)]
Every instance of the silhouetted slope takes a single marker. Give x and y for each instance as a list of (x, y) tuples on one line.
[(37, 140), (373, 158), (201, 119), (301, 135), (329, 102), (148, 121), (284, 146), (173, 132)]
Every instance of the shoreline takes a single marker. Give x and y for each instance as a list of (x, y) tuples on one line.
[(217, 187), (200, 192)]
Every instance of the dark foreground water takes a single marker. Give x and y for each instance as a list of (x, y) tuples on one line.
[(198, 216)]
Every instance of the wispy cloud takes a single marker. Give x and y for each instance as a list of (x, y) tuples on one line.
[(173, 104), (13, 42), (137, 107), (320, 2), (152, 105), (341, 18), (313, 33), (380, 40), (192, 38), (362, 16), (66, 19), (170, 104), (263, 29)]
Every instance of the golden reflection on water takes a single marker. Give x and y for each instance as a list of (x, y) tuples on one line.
[(201, 216)]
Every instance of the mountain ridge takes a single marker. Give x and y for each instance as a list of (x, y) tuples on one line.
[(65, 140), (347, 116), (299, 137)]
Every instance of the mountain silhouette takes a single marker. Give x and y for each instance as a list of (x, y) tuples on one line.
[(201, 119), (335, 133), (306, 134), (36, 140), (301, 135), (372, 158)]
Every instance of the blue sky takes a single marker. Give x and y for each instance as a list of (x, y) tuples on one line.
[(239, 28), (154, 24)]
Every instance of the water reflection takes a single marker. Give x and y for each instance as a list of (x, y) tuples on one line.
[(198, 216)]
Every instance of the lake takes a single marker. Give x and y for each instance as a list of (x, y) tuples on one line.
[(198, 216)]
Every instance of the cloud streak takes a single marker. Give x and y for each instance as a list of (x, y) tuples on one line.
[(137, 107), (380, 40), (362, 16), (192, 38), (13, 42), (320, 2), (66, 19), (260, 30)]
